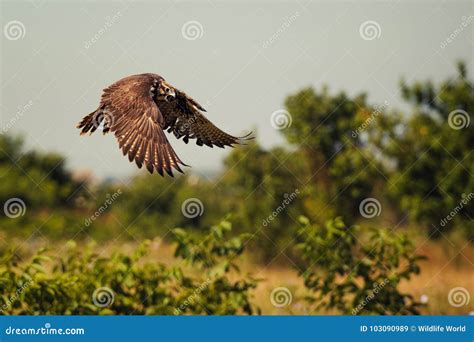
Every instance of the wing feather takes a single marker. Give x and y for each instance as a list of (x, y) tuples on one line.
[(133, 116), (184, 118)]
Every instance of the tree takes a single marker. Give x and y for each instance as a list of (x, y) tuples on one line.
[(39, 179), (432, 154), (327, 129), (264, 189)]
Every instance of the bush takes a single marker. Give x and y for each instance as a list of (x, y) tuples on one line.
[(356, 271), (84, 283)]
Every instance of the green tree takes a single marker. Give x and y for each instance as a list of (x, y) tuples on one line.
[(39, 179), (326, 128), (431, 151), (264, 189)]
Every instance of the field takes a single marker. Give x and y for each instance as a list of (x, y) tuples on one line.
[(362, 210), (448, 264)]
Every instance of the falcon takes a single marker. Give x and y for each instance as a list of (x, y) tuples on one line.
[(139, 109)]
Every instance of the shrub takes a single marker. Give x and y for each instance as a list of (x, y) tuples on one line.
[(84, 283), (356, 271)]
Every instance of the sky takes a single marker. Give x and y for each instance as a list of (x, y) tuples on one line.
[(239, 59)]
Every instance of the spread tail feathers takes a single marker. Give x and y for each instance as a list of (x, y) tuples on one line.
[(93, 121)]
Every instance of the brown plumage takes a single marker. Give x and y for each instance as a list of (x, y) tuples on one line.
[(139, 108)]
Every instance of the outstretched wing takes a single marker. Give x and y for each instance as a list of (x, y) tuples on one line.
[(134, 118), (184, 118)]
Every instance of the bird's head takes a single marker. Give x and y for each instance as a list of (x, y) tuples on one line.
[(166, 92)]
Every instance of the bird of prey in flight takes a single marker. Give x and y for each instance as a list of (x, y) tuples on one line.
[(138, 109)]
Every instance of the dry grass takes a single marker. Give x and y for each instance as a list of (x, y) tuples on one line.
[(450, 264)]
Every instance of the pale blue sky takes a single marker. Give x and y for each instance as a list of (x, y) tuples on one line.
[(245, 60)]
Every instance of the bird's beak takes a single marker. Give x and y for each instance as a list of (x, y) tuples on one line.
[(171, 95)]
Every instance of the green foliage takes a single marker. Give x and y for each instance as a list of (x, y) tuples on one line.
[(356, 270), (259, 183), (39, 179), (343, 149), (149, 205), (342, 169), (66, 284), (433, 161), (215, 257)]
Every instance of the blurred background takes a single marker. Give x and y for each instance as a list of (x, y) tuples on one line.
[(361, 172)]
